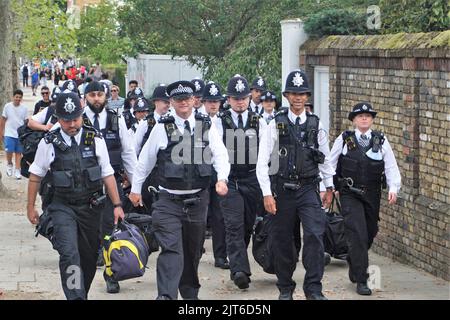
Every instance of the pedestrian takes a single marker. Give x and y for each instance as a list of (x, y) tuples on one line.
[(179, 215), (257, 89), (34, 81), (45, 102), (25, 74), (121, 152), (43, 77), (14, 115), (79, 166), (116, 102), (269, 103), (364, 160), (211, 99), (297, 148), (241, 130)]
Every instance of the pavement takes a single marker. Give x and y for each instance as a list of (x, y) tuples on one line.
[(29, 267)]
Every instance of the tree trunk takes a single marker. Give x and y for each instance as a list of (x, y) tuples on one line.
[(6, 63)]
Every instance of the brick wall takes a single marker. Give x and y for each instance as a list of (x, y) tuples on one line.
[(409, 85)]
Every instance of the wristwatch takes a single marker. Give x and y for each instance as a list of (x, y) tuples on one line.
[(117, 205), (330, 189)]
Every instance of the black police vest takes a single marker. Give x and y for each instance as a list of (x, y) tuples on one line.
[(357, 165), (298, 152), (196, 174), (251, 132), (151, 122), (75, 171), (112, 139), (129, 119), (50, 114)]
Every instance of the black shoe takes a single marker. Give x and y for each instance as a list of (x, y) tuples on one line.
[(241, 280), (327, 259), (112, 286), (363, 289), (316, 296), (286, 295), (100, 261), (221, 263), (163, 297)]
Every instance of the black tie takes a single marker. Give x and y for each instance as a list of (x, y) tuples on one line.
[(96, 123), (256, 109), (196, 111), (187, 126), (240, 122), (297, 121), (73, 141)]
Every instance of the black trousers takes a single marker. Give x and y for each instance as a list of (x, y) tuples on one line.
[(217, 225), (240, 207), (180, 232), (303, 204), (361, 215), (76, 231)]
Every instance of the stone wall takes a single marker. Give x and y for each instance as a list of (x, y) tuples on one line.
[(407, 79)]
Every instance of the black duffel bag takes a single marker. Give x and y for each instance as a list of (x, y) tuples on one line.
[(334, 240), (261, 243), (144, 223)]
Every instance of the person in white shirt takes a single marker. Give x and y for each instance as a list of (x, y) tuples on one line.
[(269, 102), (13, 116), (78, 161), (257, 89), (140, 112), (362, 158), (198, 93), (179, 214), (296, 147)]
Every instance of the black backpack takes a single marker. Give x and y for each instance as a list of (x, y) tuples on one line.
[(334, 239), (29, 139)]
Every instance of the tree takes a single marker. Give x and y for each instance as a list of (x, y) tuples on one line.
[(5, 61), (98, 36)]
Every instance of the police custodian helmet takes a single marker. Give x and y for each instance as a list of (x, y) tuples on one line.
[(238, 87), (212, 92), (199, 86), (259, 84), (297, 82), (141, 105), (68, 106), (160, 93)]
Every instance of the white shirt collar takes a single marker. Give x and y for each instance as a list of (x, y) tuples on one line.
[(235, 115), (67, 139), (180, 121), (358, 133), (293, 117)]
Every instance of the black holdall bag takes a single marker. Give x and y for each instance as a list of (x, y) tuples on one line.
[(334, 238), (45, 227), (261, 243)]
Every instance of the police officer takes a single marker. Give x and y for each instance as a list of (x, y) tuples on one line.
[(257, 89), (78, 161), (363, 158), (269, 102), (198, 93), (176, 146), (160, 99), (241, 130), (295, 165), (211, 99), (140, 112), (129, 103), (45, 119), (120, 149)]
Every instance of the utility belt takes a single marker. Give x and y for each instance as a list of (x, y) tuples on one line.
[(297, 184), (238, 175), (95, 200), (188, 200), (349, 184)]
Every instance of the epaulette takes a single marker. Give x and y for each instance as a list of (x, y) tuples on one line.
[(50, 136), (167, 119), (151, 120), (202, 116), (90, 128), (282, 111), (309, 114)]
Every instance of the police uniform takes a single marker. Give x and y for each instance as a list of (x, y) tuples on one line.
[(140, 106), (257, 84), (268, 96), (198, 92), (128, 112), (362, 160), (244, 199), (215, 219), (70, 86), (77, 165), (179, 215), (295, 167), (120, 149)]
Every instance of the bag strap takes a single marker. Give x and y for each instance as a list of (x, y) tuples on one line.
[(334, 201)]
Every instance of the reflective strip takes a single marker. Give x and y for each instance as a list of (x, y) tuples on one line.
[(118, 244)]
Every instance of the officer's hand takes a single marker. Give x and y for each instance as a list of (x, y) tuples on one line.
[(32, 215), (392, 198), (118, 213), (125, 181), (327, 199), (270, 205), (136, 199), (221, 188), (48, 126)]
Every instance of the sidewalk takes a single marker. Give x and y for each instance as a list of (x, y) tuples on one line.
[(29, 267)]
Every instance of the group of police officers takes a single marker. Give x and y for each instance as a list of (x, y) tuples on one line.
[(207, 163)]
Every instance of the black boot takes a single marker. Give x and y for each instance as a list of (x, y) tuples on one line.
[(221, 263), (316, 296), (241, 280), (363, 289)]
